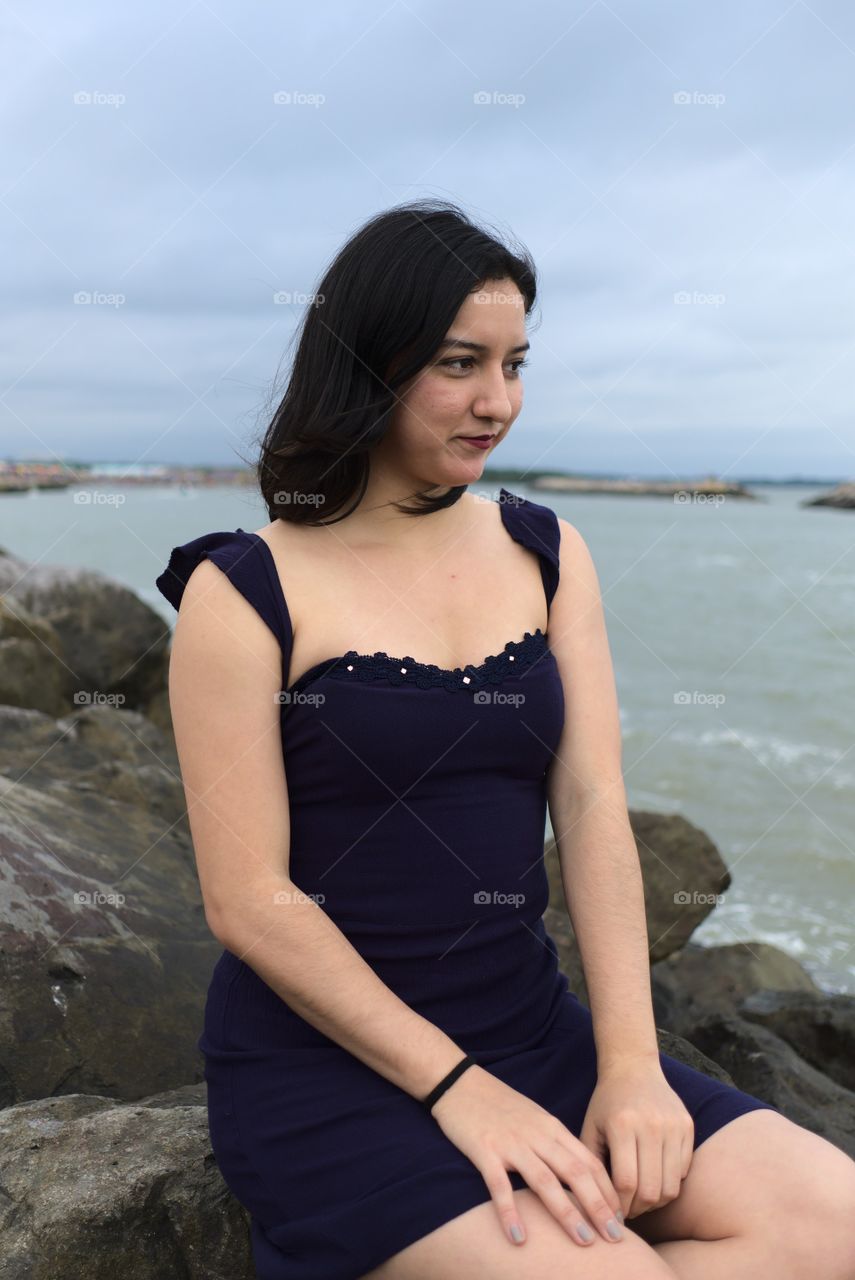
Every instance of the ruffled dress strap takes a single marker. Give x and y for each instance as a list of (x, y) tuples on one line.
[(248, 563), (536, 527)]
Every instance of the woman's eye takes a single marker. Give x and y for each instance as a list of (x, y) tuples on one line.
[(469, 360)]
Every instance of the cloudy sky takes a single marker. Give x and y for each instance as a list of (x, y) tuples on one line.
[(683, 175)]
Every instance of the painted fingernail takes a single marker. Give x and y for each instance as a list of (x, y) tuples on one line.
[(584, 1232), (619, 1216), (613, 1229), (517, 1233)]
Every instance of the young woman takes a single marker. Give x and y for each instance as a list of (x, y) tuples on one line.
[(375, 697)]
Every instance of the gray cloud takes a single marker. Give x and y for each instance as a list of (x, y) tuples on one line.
[(196, 197)]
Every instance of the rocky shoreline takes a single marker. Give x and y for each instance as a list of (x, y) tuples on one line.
[(842, 497), (105, 957), (679, 490)]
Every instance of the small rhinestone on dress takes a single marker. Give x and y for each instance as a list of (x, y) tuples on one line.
[(350, 666), (510, 657), (465, 679), (403, 671)]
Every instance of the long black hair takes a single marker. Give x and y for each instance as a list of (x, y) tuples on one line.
[(377, 317)]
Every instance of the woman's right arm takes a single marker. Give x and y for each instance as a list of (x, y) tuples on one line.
[(225, 677)]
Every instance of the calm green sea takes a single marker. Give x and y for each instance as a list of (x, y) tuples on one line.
[(732, 630)]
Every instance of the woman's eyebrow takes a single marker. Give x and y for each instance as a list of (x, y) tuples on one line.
[(479, 346)]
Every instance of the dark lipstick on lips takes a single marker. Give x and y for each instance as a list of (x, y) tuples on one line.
[(478, 442)]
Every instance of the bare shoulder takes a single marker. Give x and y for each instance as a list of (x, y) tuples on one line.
[(218, 625), (576, 564), (287, 539), (590, 747), (571, 538), (266, 530)]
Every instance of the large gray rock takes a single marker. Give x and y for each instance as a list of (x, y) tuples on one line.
[(111, 642), (96, 750), (763, 1064), (683, 1051), (104, 947), (700, 980), (32, 670), (682, 872), (95, 1190), (820, 1026)]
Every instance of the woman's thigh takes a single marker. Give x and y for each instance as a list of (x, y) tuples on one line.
[(474, 1244), (759, 1173)]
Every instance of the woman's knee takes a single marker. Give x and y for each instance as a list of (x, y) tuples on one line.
[(821, 1215)]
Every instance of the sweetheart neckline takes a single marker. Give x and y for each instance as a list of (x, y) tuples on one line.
[(414, 666), (428, 670)]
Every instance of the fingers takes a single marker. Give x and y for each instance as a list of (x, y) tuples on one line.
[(502, 1194), (672, 1167), (662, 1163), (623, 1161), (557, 1154), (578, 1172), (649, 1189), (608, 1189), (575, 1186), (587, 1189), (570, 1214)]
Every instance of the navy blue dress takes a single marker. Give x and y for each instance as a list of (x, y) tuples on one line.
[(418, 811)]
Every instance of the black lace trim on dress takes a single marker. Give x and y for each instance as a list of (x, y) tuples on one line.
[(516, 656)]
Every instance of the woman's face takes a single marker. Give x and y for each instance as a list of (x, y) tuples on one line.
[(471, 388)]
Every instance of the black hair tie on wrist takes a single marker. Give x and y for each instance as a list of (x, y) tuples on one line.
[(436, 1094)]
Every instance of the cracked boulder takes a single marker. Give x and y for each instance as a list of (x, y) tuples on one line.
[(105, 954), (93, 1189)]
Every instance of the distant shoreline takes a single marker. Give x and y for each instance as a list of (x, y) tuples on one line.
[(21, 477), (24, 476)]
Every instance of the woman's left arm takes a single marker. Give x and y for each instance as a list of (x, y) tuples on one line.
[(633, 1112)]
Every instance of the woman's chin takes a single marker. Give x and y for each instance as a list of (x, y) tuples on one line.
[(451, 471), (465, 470), (469, 475)]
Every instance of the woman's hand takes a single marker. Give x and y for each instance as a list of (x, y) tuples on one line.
[(637, 1123), (499, 1128)]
